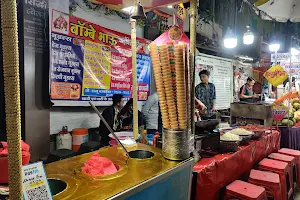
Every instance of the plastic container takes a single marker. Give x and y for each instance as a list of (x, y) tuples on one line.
[(154, 138), (175, 144), (80, 136), (4, 166), (64, 139)]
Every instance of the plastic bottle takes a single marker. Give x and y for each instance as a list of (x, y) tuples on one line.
[(155, 138), (64, 139), (80, 135), (144, 137)]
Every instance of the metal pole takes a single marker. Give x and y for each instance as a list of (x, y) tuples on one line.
[(12, 95), (108, 127), (193, 14), (134, 79), (290, 89)]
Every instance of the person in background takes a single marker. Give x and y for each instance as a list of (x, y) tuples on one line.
[(110, 114), (126, 116), (246, 92), (150, 112), (206, 93)]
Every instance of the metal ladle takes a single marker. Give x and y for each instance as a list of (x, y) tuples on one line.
[(109, 128)]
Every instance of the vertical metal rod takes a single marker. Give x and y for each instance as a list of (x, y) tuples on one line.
[(290, 88), (108, 127), (134, 79), (193, 14)]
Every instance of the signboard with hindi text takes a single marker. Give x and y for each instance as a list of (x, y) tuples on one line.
[(91, 63)]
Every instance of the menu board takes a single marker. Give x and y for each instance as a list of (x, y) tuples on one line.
[(221, 75), (91, 63)]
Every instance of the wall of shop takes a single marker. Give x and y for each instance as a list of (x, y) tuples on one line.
[(34, 58)]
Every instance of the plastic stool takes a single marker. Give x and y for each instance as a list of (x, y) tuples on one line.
[(270, 181), (244, 191), (296, 155), (280, 168), (292, 167)]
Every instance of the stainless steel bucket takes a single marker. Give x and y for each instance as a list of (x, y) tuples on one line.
[(176, 144)]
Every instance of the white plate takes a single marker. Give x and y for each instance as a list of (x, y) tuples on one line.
[(123, 135)]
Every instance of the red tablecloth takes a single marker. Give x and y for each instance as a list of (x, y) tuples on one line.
[(220, 170)]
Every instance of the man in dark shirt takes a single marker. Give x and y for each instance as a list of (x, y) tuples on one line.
[(246, 92), (206, 93), (110, 114)]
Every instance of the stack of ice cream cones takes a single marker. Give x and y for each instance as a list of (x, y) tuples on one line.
[(169, 65)]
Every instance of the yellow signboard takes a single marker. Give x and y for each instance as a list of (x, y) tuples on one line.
[(276, 75)]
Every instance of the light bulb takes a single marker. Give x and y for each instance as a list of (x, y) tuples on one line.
[(230, 43), (248, 38), (274, 47), (230, 40), (295, 52)]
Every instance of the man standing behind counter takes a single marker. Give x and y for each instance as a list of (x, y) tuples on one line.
[(110, 114), (246, 92), (206, 93)]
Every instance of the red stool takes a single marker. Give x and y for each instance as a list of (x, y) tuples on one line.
[(280, 168), (292, 167), (245, 191), (270, 181), (296, 155)]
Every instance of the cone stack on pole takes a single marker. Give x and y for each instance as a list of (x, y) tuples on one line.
[(12, 95)]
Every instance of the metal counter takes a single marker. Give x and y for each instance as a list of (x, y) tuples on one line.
[(154, 178)]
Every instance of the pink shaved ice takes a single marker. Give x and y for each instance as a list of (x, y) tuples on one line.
[(99, 166)]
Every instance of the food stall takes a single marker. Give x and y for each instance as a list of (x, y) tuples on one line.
[(230, 153), (66, 178), (287, 94)]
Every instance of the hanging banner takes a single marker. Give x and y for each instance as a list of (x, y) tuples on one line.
[(278, 112), (276, 75), (91, 63), (291, 64)]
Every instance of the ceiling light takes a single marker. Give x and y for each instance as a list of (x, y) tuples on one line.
[(248, 37), (295, 52), (230, 40), (170, 6), (274, 47)]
